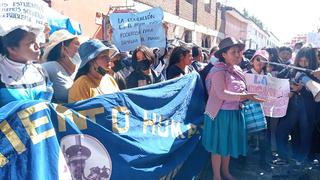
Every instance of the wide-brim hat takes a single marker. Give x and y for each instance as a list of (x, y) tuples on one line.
[(90, 49), (227, 43), (262, 53), (56, 38)]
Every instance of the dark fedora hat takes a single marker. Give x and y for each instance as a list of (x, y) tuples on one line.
[(227, 43)]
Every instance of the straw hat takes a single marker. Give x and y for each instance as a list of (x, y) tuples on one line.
[(56, 38), (227, 43)]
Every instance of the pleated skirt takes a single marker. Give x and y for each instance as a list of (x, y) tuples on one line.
[(225, 135)]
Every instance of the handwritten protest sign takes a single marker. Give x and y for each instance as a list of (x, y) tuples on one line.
[(314, 38), (130, 30), (25, 14), (274, 90)]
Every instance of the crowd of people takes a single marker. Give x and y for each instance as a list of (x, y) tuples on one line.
[(66, 70)]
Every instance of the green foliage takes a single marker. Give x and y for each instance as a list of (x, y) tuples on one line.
[(253, 18)]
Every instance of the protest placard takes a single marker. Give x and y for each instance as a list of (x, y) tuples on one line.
[(130, 30), (26, 14), (274, 90), (314, 39)]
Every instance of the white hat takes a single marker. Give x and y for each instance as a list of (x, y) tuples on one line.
[(56, 38)]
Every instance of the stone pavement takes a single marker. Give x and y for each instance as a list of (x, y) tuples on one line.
[(250, 170)]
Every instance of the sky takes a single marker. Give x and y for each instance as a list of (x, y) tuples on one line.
[(284, 18)]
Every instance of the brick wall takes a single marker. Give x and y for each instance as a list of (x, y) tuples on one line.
[(167, 5), (235, 28), (185, 10), (205, 18)]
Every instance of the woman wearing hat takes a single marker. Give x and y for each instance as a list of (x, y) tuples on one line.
[(260, 67), (93, 77), (258, 62), (62, 63), (224, 133), (21, 78)]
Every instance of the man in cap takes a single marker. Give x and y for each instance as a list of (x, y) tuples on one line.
[(76, 156)]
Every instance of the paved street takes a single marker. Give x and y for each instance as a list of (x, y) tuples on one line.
[(251, 170)]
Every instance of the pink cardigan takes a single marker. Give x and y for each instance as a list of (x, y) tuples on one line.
[(224, 84)]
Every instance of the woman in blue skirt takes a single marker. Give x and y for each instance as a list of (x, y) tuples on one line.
[(224, 133)]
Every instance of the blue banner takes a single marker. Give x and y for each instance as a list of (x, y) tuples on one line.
[(152, 132)]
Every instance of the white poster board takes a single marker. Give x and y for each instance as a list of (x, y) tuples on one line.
[(274, 90), (25, 14)]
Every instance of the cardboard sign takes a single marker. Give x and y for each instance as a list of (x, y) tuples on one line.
[(130, 30)]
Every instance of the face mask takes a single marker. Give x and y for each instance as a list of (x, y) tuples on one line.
[(143, 65), (101, 71), (41, 38), (213, 59), (117, 66), (76, 59)]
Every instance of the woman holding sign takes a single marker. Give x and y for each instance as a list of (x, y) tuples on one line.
[(22, 78), (224, 133), (261, 68)]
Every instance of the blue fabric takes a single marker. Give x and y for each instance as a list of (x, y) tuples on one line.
[(42, 92), (226, 134), (38, 91), (119, 125), (37, 160), (57, 21), (254, 117)]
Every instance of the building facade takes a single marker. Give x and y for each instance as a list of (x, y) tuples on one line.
[(191, 21), (87, 13), (236, 25), (200, 22)]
